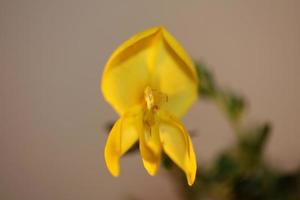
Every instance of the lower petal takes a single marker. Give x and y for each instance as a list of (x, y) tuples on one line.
[(150, 148), (151, 167), (178, 145), (122, 136)]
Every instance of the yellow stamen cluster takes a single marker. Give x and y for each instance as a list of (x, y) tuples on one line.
[(154, 98)]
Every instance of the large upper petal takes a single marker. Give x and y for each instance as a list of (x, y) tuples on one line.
[(151, 58), (126, 73), (174, 74), (178, 145)]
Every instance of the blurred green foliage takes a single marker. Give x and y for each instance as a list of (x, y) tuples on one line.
[(240, 172), (232, 104)]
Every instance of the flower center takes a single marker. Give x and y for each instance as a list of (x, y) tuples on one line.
[(154, 98)]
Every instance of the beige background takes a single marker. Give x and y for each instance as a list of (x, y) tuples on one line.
[(52, 113)]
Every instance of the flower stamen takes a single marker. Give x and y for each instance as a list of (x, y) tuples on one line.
[(154, 98)]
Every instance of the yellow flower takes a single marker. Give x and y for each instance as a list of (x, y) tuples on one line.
[(150, 81)]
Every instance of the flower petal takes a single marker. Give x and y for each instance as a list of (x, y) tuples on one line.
[(151, 58), (178, 145), (174, 74), (151, 167), (150, 148), (126, 74), (122, 136)]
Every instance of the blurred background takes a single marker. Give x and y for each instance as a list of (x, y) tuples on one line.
[(53, 116)]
